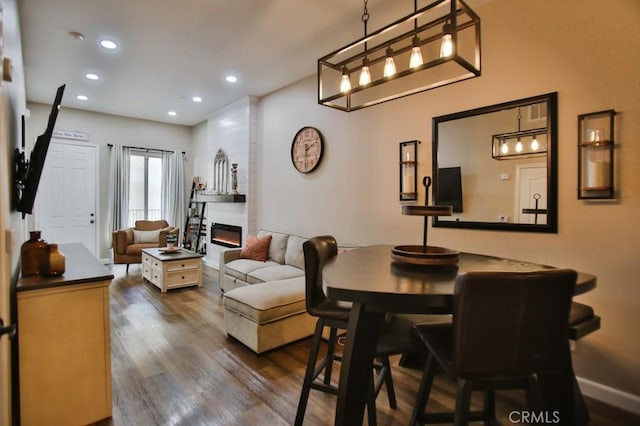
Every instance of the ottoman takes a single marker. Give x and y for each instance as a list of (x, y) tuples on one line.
[(264, 316)]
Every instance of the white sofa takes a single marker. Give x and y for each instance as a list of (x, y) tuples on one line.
[(264, 302)]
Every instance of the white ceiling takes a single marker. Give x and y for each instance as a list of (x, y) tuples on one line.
[(170, 51)]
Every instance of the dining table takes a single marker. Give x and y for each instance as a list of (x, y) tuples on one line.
[(377, 286)]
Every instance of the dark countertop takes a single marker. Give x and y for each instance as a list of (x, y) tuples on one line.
[(81, 266)]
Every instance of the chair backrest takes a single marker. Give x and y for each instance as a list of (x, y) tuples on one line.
[(317, 251), (150, 225), (511, 323)]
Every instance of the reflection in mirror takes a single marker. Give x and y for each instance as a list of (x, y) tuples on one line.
[(497, 166)]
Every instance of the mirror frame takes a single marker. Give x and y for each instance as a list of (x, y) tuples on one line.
[(552, 165)]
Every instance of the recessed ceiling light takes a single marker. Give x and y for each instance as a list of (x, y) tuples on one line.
[(82, 97), (196, 99), (231, 78), (92, 76), (108, 44), (172, 113)]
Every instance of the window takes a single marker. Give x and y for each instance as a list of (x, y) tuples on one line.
[(145, 186)]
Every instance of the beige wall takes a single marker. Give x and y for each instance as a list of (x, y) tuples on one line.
[(587, 51), (106, 129)]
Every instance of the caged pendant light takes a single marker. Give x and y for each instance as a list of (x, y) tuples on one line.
[(436, 45)]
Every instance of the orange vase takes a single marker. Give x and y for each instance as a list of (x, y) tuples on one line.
[(53, 262), (32, 252)]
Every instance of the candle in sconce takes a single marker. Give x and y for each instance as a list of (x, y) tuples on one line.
[(597, 174), (407, 178)]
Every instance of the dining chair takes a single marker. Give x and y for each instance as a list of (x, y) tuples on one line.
[(395, 337), (508, 329)]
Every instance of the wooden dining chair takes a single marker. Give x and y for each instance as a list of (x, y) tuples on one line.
[(507, 330), (395, 337)]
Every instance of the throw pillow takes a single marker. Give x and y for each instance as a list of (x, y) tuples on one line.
[(146, 236), (256, 248)]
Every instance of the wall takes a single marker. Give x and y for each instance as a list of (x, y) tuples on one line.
[(537, 47), (12, 229), (106, 129)]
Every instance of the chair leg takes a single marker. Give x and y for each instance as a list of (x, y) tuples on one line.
[(309, 373), (127, 269), (463, 403), (331, 349), (423, 392), (371, 402), (489, 407), (388, 380)]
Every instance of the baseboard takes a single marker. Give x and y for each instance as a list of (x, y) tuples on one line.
[(623, 400)]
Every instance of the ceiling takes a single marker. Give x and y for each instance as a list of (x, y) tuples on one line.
[(170, 51)]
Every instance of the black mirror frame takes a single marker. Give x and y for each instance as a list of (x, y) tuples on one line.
[(552, 166)]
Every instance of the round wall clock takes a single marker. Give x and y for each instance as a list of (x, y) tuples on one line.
[(306, 149)]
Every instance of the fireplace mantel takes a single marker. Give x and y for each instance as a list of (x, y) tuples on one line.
[(223, 198)]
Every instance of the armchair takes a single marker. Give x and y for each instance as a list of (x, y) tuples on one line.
[(128, 243)]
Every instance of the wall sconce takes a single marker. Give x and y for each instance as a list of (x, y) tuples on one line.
[(392, 62), (519, 144), (595, 155), (409, 170)]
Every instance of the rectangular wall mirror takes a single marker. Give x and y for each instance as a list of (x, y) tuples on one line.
[(497, 166)]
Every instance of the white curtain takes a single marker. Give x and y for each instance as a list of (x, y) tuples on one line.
[(173, 188), (119, 188)]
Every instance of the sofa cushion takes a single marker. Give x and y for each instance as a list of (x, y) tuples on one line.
[(136, 249), (256, 248), (278, 245), (146, 236), (294, 255), (239, 268), (269, 301), (273, 273)]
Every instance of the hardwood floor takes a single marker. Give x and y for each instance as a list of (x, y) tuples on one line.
[(172, 364)]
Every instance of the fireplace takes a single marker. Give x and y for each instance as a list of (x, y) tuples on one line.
[(226, 235)]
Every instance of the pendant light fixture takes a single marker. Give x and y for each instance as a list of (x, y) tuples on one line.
[(422, 45), (512, 145)]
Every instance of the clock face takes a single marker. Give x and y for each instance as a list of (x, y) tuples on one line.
[(306, 149)]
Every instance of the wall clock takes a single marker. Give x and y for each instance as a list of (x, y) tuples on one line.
[(307, 149)]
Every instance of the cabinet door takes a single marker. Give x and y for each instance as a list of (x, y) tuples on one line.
[(65, 355)]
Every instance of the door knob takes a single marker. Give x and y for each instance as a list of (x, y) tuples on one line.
[(10, 330)]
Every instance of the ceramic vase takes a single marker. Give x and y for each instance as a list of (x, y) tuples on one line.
[(53, 262), (31, 254)]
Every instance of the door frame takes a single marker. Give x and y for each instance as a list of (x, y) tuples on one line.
[(96, 147), (519, 168)]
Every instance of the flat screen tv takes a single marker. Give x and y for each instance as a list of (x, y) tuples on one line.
[(450, 188), (29, 173)]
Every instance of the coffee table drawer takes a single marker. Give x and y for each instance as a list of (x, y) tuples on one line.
[(181, 265), (181, 278)]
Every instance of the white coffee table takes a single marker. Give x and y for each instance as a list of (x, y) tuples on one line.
[(168, 270)]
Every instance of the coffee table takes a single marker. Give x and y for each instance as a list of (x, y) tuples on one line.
[(167, 270)]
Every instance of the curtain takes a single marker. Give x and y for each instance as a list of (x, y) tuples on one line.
[(119, 188), (173, 187)]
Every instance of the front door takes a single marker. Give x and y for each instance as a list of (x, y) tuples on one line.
[(66, 200)]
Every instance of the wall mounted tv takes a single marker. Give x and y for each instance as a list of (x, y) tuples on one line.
[(450, 188), (28, 172)]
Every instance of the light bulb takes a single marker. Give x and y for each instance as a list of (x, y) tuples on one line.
[(446, 47), (518, 146), (345, 83), (365, 74), (389, 65), (535, 144), (416, 54), (504, 148)]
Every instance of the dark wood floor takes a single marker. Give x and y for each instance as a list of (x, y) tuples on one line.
[(172, 364)]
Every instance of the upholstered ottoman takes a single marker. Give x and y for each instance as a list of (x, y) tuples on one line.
[(268, 315)]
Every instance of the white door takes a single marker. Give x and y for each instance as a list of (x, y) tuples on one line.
[(531, 187), (66, 200)]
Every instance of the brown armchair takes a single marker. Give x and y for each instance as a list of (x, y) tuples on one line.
[(128, 243)]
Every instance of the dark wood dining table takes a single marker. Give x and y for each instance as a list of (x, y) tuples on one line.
[(376, 285)]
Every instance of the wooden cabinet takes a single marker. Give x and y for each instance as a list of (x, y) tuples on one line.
[(167, 271), (65, 344)]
